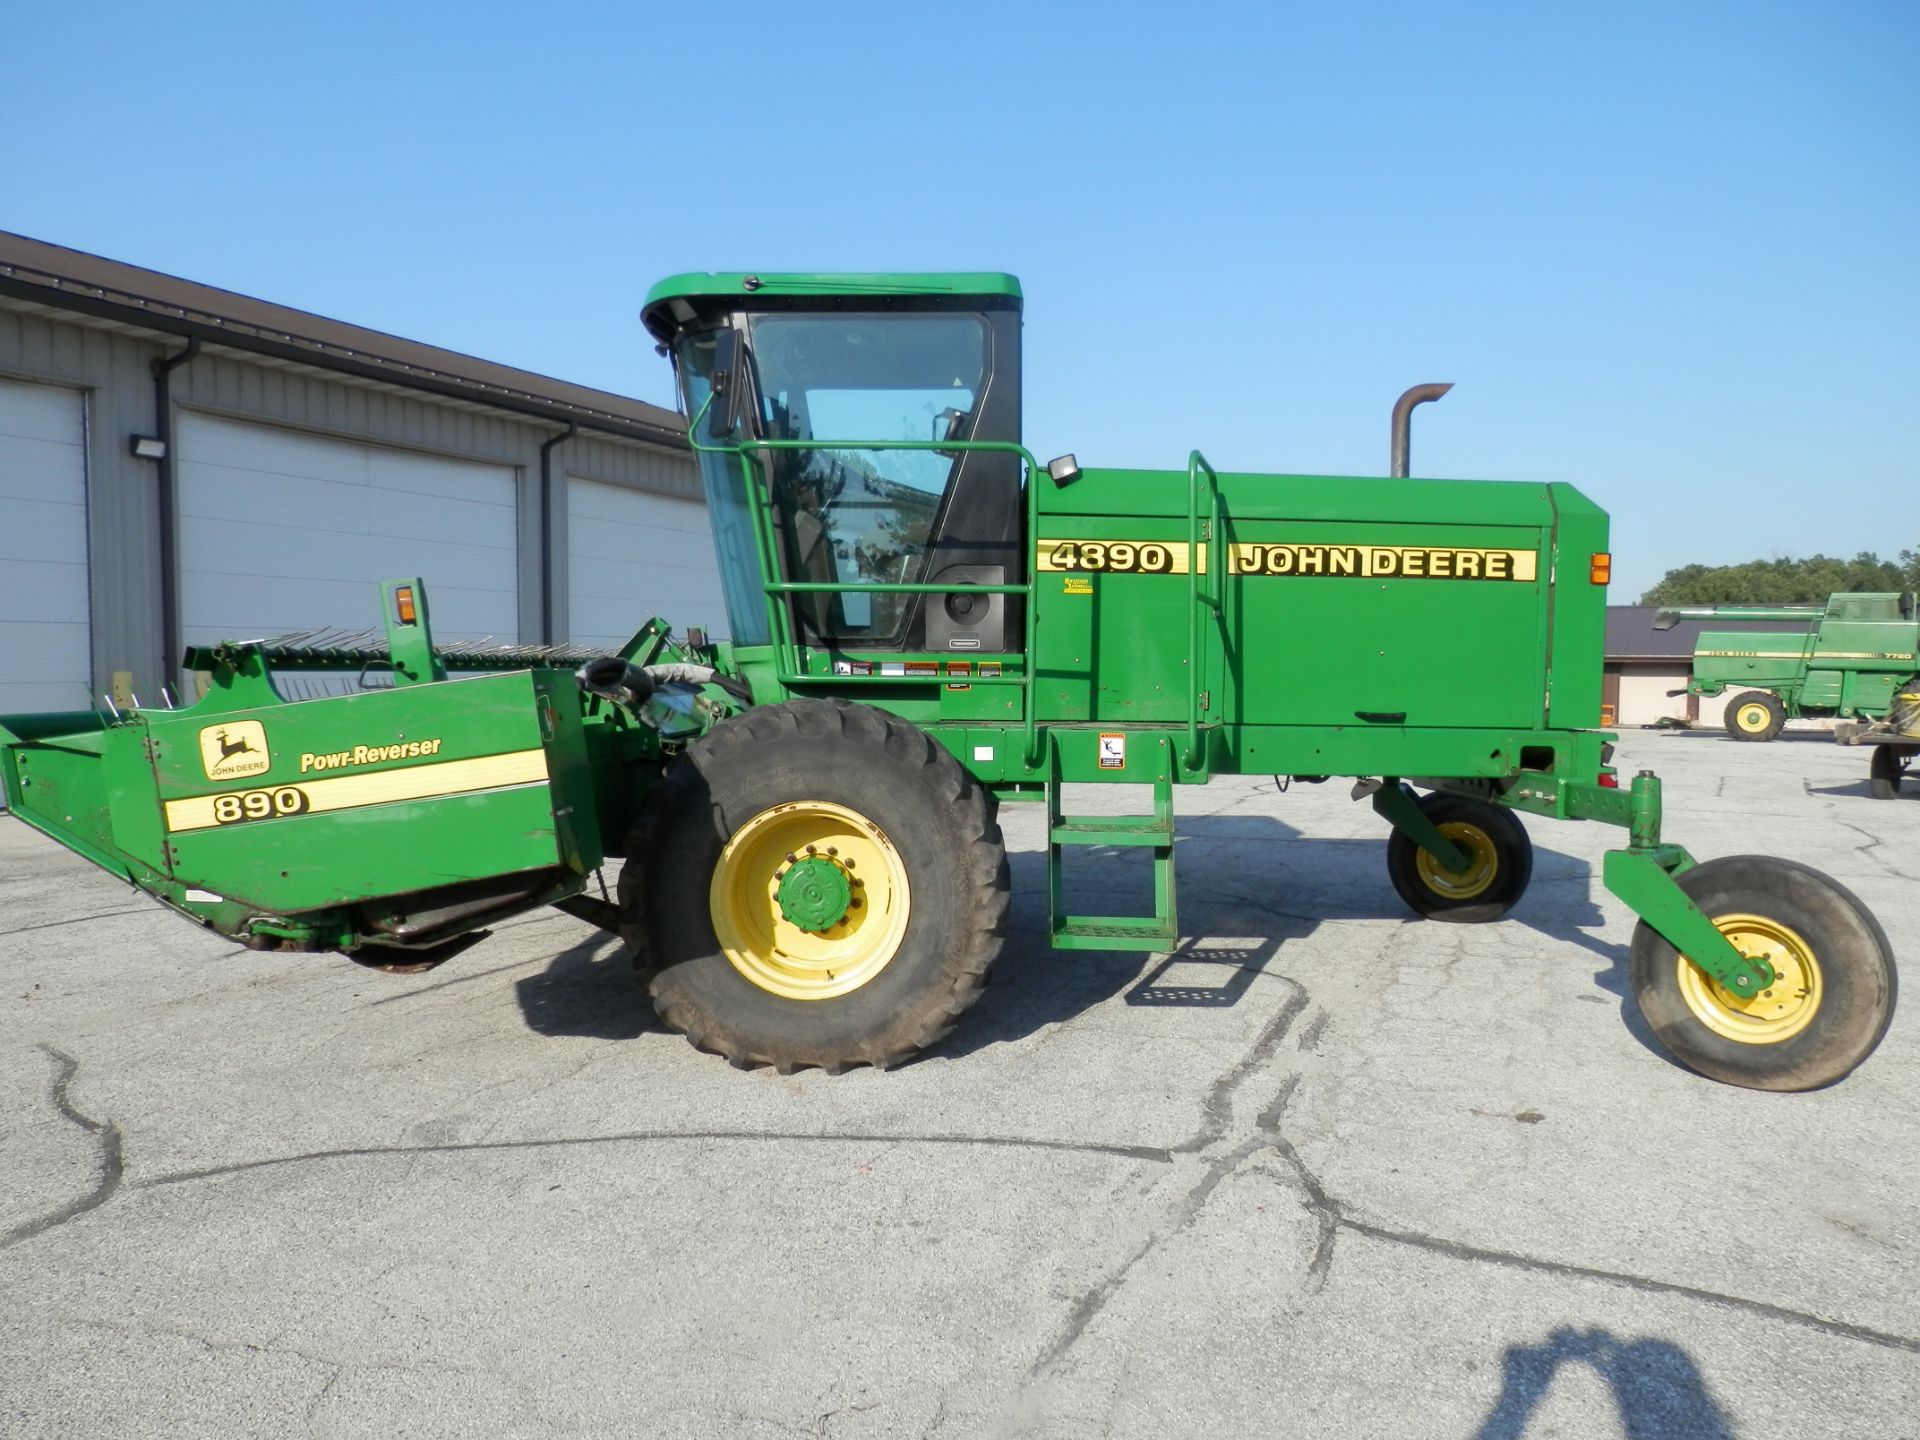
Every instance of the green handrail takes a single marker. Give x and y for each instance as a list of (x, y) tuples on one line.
[(788, 667), (1200, 597)]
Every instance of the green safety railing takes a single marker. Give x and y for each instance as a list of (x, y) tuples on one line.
[(788, 665), (1201, 597)]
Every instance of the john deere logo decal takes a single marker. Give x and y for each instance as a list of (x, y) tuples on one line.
[(234, 750)]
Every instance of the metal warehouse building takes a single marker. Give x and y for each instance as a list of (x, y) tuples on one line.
[(180, 464)]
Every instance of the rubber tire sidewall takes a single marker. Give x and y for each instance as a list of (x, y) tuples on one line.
[(1859, 982), (1512, 845), (1884, 773), (1776, 713), (882, 768)]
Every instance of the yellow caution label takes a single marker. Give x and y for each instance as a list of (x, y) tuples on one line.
[(350, 792)]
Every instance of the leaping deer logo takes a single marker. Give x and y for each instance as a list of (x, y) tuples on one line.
[(230, 748), (234, 749)]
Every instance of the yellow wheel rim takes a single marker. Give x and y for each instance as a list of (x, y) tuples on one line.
[(1753, 718), (1779, 1012), (771, 950), (1483, 863)]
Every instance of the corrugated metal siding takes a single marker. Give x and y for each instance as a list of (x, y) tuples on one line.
[(123, 499), (115, 369)]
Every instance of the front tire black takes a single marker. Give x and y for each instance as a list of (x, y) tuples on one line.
[(1834, 988), (915, 958), (1500, 862)]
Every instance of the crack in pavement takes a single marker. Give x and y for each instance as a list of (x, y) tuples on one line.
[(75, 920), (1333, 1215), (1217, 1114), (111, 1163), (1874, 842), (336, 1369), (1152, 1153)]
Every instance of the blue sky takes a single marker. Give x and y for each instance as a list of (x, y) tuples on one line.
[(1666, 251)]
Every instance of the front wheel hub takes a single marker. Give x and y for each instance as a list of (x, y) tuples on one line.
[(1782, 1008), (813, 893), (809, 900)]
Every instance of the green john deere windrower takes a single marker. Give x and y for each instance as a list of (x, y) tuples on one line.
[(927, 623)]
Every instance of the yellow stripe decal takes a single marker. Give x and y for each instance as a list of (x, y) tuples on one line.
[(1360, 562), (1815, 656), (1375, 562), (1116, 557), (350, 792)]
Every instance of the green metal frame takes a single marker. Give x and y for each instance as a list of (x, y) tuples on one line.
[(1522, 748), (1641, 875)]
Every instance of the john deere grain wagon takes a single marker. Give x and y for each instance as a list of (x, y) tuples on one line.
[(928, 623)]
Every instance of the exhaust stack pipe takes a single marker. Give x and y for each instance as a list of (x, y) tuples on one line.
[(1403, 422)]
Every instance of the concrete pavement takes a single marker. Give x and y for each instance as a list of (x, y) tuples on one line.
[(1328, 1171)]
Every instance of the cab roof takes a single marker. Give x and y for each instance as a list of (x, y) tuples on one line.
[(734, 286)]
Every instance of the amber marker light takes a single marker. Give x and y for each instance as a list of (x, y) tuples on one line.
[(403, 602), (1600, 568)]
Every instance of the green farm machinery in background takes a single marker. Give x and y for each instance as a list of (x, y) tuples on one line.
[(1855, 659), (928, 624), (1848, 658)]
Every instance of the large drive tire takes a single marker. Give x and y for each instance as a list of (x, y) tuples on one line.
[(1888, 766), (1755, 715), (822, 884), (1833, 990), (1501, 862)]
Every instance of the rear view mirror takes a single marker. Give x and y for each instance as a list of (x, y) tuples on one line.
[(723, 409)]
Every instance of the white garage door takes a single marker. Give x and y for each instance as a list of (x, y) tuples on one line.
[(633, 555), (283, 531), (46, 660)]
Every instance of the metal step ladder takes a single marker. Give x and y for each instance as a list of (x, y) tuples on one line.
[(1159, 931)]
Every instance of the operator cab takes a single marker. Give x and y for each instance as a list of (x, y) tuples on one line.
[(931, 360)]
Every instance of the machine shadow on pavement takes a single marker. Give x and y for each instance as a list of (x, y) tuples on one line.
[(1241, 879), (1657, 1388), (1862, 789), (587, 989)]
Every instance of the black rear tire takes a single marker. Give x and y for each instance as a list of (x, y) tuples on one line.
[(1778, 1041), (1501, 851), (937, 828), (1888, 767), (1755, 715)]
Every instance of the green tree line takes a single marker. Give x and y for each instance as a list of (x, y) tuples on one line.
[(1783, 581)]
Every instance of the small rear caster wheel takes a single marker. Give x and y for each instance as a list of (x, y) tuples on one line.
[(1756, 715), (1834, 979), (1499, 862)]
